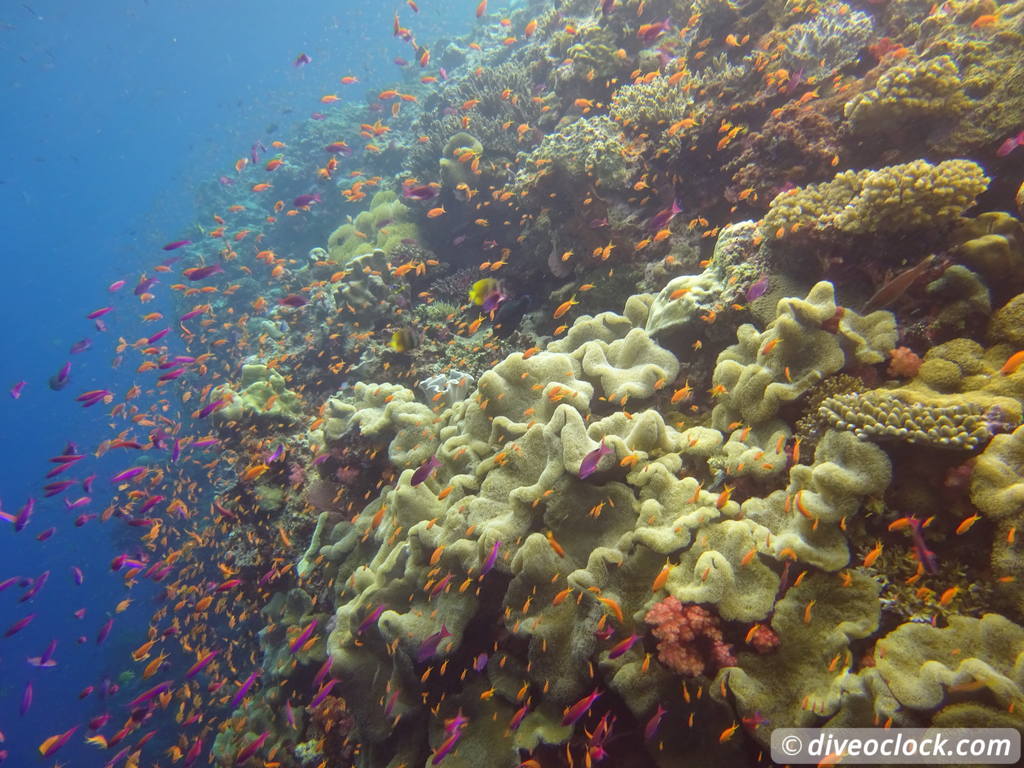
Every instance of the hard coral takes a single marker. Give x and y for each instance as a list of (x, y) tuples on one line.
[(689, 638)]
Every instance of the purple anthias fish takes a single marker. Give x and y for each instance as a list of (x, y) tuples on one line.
[(208, 409), (299, 641), (661, 219), (425, 470), (589, 464), (104, 632), (278, 452), (651, 729), (45, 661), (127, 474), (199, 273), (492, 558), (200, 665), (19, 625), (177, 244), (60, 379), (302, 60), (318, 116), (157, 336), (371, 619), (99, 313), (758, 289), (579, 709), (420, 191), (925, 555), (243, 689), (26, 699), (248, 751), (80, 346), (77, 575), (322, 672), (225, 181), (22, 518), (37, 584), (654, 31), (151, 694), (255, 150), (429, 646), (322, 693), (144, 284), (303, 200), (17, 389), (293, 300)]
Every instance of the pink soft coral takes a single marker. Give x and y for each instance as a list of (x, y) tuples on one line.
[(905, 363), (689, 637)]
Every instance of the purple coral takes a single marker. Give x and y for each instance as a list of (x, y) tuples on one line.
[(689, 637)]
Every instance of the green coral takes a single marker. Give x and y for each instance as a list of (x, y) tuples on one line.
[(892, 200), (921, 664), (908, 92), (766, 369), (454, 173), (251, 399), (587, 147), (382, 227)]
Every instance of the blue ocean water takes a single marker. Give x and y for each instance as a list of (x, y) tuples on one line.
[(114, 114)]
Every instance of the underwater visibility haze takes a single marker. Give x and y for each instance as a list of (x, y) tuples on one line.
[(530, 384)]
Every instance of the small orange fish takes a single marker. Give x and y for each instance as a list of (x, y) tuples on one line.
[(873, 555), (330, 98), (966, 523), (564, 307), (1013, 362), (433, 213)]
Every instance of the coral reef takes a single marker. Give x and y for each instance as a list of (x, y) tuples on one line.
[(900, 198)]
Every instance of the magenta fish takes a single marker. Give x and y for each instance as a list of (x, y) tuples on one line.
[(26, 699), (19, 625), (1010, 144), (579, 709), (77, 575), (429, 646), (157, 336), (292, 300), (45, 661), (22, 518), (144, 284), (60, 379), (52, 746), (128, 474), (651, 729), (622, 647), (492, 558), (243, 689), (663, 217), (299, 641), (302, 60), (104, 632), (116, 286), (248, 751), (176, 244), (200, 273), (80, 346), (420, 191), (425, 470), (303, 200), (149, 695), (589, 464), (758, 288), (17, 388), (322, 693), (445, 747), (318, 116), (371, 619), (99, 313)]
